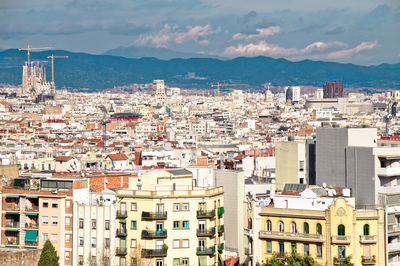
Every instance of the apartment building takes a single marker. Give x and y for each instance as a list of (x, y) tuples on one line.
[(30, 217), (162, 219), (328, 236)]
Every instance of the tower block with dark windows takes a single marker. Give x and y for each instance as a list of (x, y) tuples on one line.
[(333, 89)]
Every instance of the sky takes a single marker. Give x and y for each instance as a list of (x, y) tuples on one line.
[(358, 31)]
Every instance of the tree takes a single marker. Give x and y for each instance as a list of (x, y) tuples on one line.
[(296, 260), (48, 257), (273, 262), (346, 262)]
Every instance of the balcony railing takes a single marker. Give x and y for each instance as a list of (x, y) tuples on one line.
[(205, 251), (31, 243), (206, 232), (151, 253), (248, 232), (147, 234), (368, 260), (206, 214), (221, 229), (388, 171), (154, 215), (12, 207), (393, 229), (32, 208), (12, 224), (367, 239), (31, 225), (122, 214), (345, 240), (337, 260), (121, 251), (393, 247), (12, 241), (291, 236), (221, 247), (121, 232)]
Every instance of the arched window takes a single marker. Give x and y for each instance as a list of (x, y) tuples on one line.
[(341, 230), (366, 230), (281, 227), (293, 227), (319, 229), (306, 228), (269, 226)]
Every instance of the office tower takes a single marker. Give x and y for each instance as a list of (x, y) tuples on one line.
[(333, 89), (159, 90)]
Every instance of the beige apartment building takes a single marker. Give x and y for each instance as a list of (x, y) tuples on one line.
[(162, 219)]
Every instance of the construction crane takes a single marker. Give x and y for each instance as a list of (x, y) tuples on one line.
[(52, 67), (225, 85), (104, 123), (29, 49)]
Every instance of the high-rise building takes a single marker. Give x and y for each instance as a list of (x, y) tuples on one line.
[(333, 89), (159, 90)]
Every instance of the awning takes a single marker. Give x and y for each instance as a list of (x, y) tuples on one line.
[(31, 197), (31, 214), (203, 261), (122, 221), (16, 213), (31, 236), (12, 196), (12, 230)]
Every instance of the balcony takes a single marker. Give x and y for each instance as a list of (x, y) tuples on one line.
[(153, 253), (12, 241), (122, 214), (388, 171), (337, 260), (12, 224), (298, 237), (205, 251), (394, 230), (279, 255), (147, 234), (221, 210), (205, 214), (12, 207), (149, 216), (367, 239), (32, 209), (121, 251), (221, 247), (31, 243), (221, 229), (121, 233), (368, 260), (248, 232), (389, 190), (393, 247), (205, 232), (31, 226), (342, 240)]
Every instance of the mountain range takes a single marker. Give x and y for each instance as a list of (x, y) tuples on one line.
[(96, 72)]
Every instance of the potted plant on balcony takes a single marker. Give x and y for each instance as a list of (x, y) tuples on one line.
[(165, 247)]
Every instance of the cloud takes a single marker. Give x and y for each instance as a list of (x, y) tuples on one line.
[(173, 34), (248, 17), (72, 28), (128, 29), (261, 33), (316, 50), (337, 30), (347, 53)]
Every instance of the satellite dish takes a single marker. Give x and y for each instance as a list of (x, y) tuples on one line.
[(324, 185)]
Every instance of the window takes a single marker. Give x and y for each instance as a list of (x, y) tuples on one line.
[(68, 204), (133, 243), (67, 255), (185, 224), (45, 220), (133, 225), (268, 226), (185, 206), (301, 166), (366, 230), (177, 262), (107, 225), (133, 262), (341, 230), (185, 243), (93, 242), (93, 224), (45, 203), (133, 206), (54, 238), (269, 246), (54, 204), (80, 258), (80, 223), (45, 236), (281, 227), (67, 238), (293, 248), (185, 262), (341, 252), (176, 206), (107, 241), (81, 242), (319, 229), (306, 228), (177, 243), (159, 263), (54, 220), (281, 248), (293, 227), (67, 220), (306, 250), (319, 251), (176, 224)]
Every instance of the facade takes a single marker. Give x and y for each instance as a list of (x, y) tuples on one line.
[(290, 163), (333, 89), (29, 218), (327, 236), (169, 221), (159, 91)]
